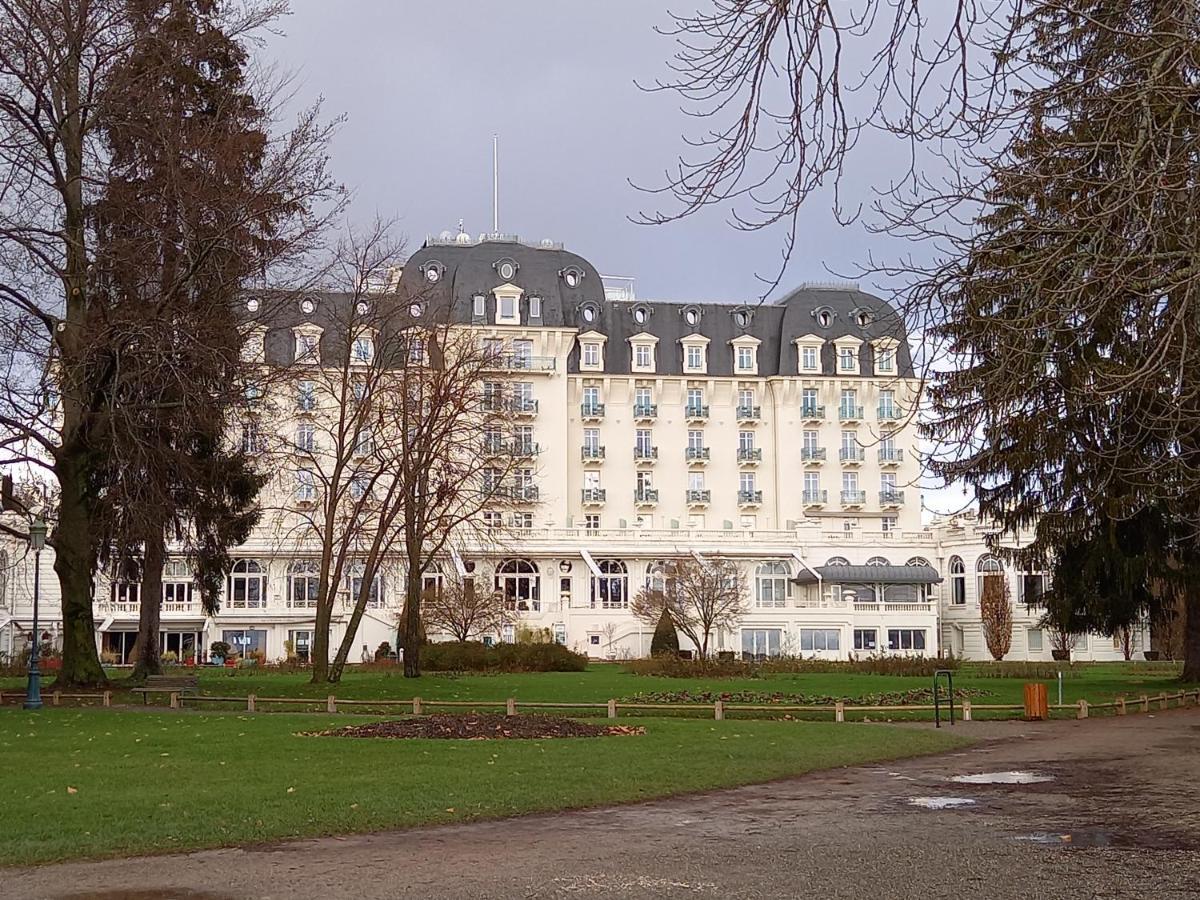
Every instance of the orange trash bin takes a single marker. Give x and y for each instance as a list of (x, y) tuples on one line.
[(1037, 702)]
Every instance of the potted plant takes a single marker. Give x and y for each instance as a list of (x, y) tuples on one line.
[(221, 651), (1151, 655), (170, 658)]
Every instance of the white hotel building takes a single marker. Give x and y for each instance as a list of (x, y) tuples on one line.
[(780, 435)]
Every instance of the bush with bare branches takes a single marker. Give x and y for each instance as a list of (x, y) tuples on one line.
[(701, 596)]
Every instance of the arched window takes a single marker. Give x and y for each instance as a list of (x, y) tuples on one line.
[(303, 583), (177, 586), (878, 561), (837, 561), (517, 582), (657, 573), (355, 573), (247, 585), (958, 581), (610, 590), (917, 561), (987, 567), (433, 578), (772, 582)]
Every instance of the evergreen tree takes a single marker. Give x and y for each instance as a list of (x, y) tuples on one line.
[(666, 640)]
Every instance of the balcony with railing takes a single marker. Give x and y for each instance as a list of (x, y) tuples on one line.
[(851, 456), (645, 454), (591, 454), (591, 411), (889, 412), (697, 456), (645, 496), (891, 498), (594, 496), (812, 412), (749, 456), (847, 412), (816, 498), (493, 446), (696, 412), (523, 493), (749, 498), (854, 498), (524, 406), (890, 457), (699, 497), (749, 413), (813, 456), (645, 411), (523, 362), (524, 448)]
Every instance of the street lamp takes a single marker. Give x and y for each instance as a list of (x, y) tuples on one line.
[(37, 540)]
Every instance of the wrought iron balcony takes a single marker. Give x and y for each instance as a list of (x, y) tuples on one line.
[(889, 412), (524, 406), (593, 496), (812, 454), (645, 411), (591, 453), (816, 498), (854, 498), (891, 457), (697, 454), (849, 413), (592, 410), (749, 498), (524, 448), (891, 498), (812, 412), (645, 453), (520, 362), (749, 454), (645, 496), (696, 411), (749, 413), (695, 497), (524, 493), (851, 455)]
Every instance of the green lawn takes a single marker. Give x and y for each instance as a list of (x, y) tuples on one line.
[(90, 782)]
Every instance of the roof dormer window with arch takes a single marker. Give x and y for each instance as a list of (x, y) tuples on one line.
[(691, 315), (695, 354), (824, 316), (641, 314), (571, 276), (745, 354), (847, 355), (643, 349), (432, 271), (591, 351)]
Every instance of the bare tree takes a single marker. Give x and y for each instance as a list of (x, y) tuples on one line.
[(701, 597), (466, 607), (996, 615), (61, 69)]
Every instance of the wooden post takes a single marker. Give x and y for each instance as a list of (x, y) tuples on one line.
[(1083, 710), (56, 698), (416, 706), (251, 700), (612, 709), (719, 710), (966, 710), (510, 706), (174, 700), (1145, 703), (331, 704), (1162, 701), (1120, 706), (839, 712), (107, 701)]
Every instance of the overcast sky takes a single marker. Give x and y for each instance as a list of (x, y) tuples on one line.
[(424, 86)]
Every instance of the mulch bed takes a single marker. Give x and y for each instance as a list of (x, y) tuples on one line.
[(474, 727)]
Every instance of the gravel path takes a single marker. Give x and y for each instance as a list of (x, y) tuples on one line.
[(1121, 818)]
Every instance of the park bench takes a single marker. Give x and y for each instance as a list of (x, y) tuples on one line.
[(167, 684)]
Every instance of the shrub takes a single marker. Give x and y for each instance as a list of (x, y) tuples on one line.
[(221, 649), (383, 651), (666, 640), (676, 667), (473, 656)]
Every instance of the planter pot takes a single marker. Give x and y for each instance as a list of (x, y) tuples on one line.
[(1061, 655), (217, 661), (1151, 654), (231, 663)]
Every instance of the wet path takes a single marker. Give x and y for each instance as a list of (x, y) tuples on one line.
[(1119, 816)]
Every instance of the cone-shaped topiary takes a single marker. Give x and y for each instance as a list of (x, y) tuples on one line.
[(665, 640)]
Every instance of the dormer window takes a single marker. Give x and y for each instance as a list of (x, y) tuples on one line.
[(535, 307), (741, 318), (479, 306), (808, 359), (885, 361), (508, 305), (824, 316), (506, 269), (863, 317), (307, 347), (508, 308), (846, 360), (591, 355), (415, 310), (252, 304), (691, 315), (745, 359), (641, 315), (433, 271), (572, 275), (308, 306), (643, 356), (364, 348)]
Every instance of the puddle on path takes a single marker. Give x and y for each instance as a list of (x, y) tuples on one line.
[(1081, 839), (1002, 778), (940, 802)]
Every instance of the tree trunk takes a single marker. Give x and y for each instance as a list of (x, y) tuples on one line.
[(1191, 639), (319, 651), (74, 563), (147, 653), (411, 627), (349, 639)]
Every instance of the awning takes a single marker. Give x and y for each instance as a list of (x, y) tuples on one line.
[(870, 575), (591, 563), (107, 623), (459, 566), (806, 568)]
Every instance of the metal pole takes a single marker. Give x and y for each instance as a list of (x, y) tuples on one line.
[(1060, 688), (33, 692), (495, 184)]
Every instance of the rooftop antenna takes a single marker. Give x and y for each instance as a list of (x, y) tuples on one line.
[(495, 183)]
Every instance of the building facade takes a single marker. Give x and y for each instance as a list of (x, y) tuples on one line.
[(779, 435)]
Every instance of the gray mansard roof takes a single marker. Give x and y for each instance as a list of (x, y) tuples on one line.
[(470, 269)]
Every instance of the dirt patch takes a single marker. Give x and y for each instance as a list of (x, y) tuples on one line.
[(475, 727)]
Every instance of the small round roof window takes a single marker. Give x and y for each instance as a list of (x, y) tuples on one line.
[(307, 306), (507, 269), (639, 316), (415, 310), (863, 317), (433, 273), (692, 317), (742, 318), (362, 307), (571, 277), (824, 317), (589, 313), (252, 304)]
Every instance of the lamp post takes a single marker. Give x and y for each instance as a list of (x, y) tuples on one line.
[(37, 540)]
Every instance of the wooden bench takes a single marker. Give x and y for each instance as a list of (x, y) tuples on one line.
[(167, 684)]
